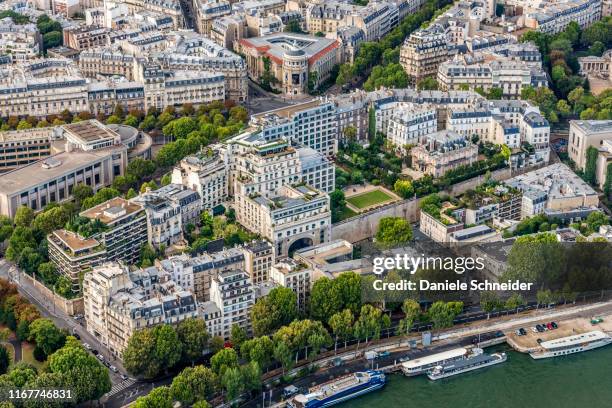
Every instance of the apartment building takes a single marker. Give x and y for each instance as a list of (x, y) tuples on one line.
[(409, 122), (556, 191), (119, 302), (225, 31), (503, 203), (41, 87), (193, 52), (188, 201), (233, 294), (438, 227), (21, 147), (316, 170), (94, 156), (312, 124), (442, 151), (297, 276), (104, 96), (293, 218), (164, 219), (509, 122), (423, 52), (117, 231), (258, 259), (19, 41), (206, 173), (292, 59), (488, 71), (80, 37), (584, 134), (106, 61), (552, 17)]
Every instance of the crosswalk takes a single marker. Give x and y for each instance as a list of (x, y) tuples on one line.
[(120, 387)]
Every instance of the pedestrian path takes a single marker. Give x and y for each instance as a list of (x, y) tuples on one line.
[(117, 388)]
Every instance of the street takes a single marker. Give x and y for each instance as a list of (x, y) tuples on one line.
[(61, 319)]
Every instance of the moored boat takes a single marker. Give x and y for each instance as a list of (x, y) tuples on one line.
[(340, 390), (572, 344), (465, 365)]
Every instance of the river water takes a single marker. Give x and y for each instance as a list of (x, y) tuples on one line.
[(574, 381)]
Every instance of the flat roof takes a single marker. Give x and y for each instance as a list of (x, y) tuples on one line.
[(89, 130), (289, 111), (35, 174), (74, 241), (573, 340), (434, 358), (112, 210)]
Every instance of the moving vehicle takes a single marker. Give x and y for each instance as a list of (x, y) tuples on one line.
[(340, 390)]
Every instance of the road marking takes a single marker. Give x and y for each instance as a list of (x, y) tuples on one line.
[(120, 387)]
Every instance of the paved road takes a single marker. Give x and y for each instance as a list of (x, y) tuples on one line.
[(61, 319)]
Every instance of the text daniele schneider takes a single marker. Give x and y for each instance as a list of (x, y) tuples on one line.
[(459, 265)]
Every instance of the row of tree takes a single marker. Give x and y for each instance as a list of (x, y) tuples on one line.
[(69, 365)]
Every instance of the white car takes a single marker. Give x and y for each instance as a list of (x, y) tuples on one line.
[(113, 369), (87, 346), (100, 357), (533, 329)]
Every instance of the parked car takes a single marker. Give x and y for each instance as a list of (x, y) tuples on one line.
[(535, 329), (113, 369), (523, 331), (540, 328), (124, 377), (549, 326), (87, 346), (100, 357), (539, 341), (76, 336), (554, 325), (290, 391)]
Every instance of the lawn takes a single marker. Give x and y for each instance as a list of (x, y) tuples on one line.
[(368, 199), (347, 213), (27, 355)]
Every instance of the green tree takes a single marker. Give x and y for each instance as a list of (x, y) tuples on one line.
[(238, 335), (258, 349), (193, 384), (411, 310), (231, 379), (442, 314), (427, 83), (224, 359), (81, 371), (273, 311), (193, 337), (341, 324), (139, 355), (404, 188), (24, 216), (251, 376), (21, 374), (160, 397), (369, 324), (596, 219), (168, 348), (590, 168), (81, 192), (489, 302), (393, 231), (282, 354), (514, 301), (46, 335), (51, 219)]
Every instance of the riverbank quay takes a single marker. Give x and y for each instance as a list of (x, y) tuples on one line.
[(411, 347)]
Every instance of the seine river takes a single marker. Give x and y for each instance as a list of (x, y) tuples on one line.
[(575, 381)]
